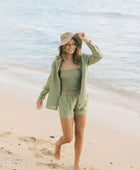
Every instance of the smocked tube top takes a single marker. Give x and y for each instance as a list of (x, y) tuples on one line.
[(71, 78)]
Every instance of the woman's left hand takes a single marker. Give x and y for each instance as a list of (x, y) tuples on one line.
[(82, 36)]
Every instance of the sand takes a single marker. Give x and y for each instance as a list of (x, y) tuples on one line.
[(28, 136)]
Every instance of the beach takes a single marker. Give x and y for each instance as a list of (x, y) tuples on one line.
[(28, 136), (29, 36)]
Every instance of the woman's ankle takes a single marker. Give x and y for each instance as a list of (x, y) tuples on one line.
[(76, 164)]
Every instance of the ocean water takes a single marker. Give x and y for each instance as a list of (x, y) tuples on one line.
[(30, 31)]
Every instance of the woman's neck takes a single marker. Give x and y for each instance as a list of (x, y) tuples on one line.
[(68, 57)]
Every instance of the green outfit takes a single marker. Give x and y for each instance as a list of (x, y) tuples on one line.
[(68, 104), (68, 101), (71, 78), (53, 84)]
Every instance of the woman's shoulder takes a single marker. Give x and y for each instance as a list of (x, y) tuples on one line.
[(56, 60)]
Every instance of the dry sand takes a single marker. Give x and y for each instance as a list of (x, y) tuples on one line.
[(27, 138)]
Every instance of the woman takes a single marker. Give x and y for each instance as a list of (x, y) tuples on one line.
[(66, 88)]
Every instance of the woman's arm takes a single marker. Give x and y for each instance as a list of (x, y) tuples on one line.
[(45, 90), (46, 87), (96, 53)]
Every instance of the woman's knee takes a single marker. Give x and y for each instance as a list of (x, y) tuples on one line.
[(79, 133), (68, 139)]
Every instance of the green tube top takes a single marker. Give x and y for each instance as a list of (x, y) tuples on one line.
[(71, 78)]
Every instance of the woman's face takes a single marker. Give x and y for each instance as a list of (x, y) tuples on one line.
[(70, 47)]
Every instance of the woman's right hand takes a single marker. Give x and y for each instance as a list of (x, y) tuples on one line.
[(39, 104)]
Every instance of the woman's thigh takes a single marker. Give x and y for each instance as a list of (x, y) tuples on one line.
[(80, 122), (67, 127)]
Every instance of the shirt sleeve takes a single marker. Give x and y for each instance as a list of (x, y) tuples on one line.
[(46, 87), (96, 53)]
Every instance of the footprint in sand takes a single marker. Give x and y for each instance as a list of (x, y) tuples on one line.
[(3, 134), (28, 139), (46, 151), (51, 165), (32, 139), (40, 152), (35, 152), (35, 149), (3, 150)]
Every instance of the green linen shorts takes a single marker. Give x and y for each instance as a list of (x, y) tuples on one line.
[(68, 104)]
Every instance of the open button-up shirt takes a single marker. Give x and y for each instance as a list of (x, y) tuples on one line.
[(53, 84)]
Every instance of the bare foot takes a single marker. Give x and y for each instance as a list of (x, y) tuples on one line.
[(57, 151), (77, 167)]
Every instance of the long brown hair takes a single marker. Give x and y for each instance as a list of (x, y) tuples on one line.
[(77, 54)]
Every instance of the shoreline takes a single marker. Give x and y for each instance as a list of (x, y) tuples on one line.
[(108, 107), (111, 139), (16, 70)]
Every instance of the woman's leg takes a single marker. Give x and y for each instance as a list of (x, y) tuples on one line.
[(67, 128), (80, 121)]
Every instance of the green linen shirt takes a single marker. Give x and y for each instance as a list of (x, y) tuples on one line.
[(53, 84)]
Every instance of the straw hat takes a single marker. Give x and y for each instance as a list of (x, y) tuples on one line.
[(66, 37)]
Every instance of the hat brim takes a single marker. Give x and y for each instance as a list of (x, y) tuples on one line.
[(65, 41), (75, 36)]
